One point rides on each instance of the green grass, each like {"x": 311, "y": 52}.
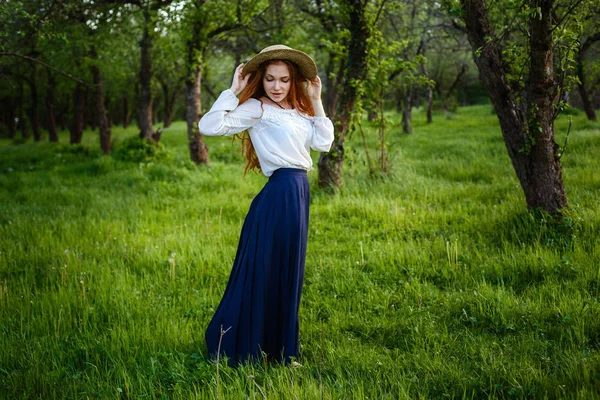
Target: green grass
{"x": 432, "y": 282}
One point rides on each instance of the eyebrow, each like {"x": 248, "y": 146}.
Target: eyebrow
{"x": 272, "y": 76}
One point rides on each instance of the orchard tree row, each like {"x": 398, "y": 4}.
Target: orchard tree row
{"x": 96, "y": 63}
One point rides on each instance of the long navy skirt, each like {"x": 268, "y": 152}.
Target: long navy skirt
{"x": 259, "y": 310}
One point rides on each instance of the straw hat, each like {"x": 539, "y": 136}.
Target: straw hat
{"x": 305, "y": 64}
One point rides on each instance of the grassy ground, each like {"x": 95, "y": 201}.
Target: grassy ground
{"x": 431, "y": 283}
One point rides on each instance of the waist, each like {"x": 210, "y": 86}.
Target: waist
{"x": 287, "y": 172}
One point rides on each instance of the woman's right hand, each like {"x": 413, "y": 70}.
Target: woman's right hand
{"x": 239, "y": 82}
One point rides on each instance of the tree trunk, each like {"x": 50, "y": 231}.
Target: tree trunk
{"x": 145, "y": 114}
{"x": 167, "y": 107}
{"x": 23, "y": 127}
{"x": 52, "y": 131}
{"x": 100, "y": 111}
{"x": 429, "y": 105}
{"x": 10, "y": 107}
{"x": 399, "y": 99}
{"x": 108, "y": 108}
{"x": 196, "y": 145}
{"x": 61, "y": 115}
{"x": 34, "y": 110}
{"x": 22, "y": 124}
{"x": 407, "y": 111}
{"x": 543, "y": 172}
{"x": 429, "y": 97}
{"x": 76, "y": 128}
{"x": 331, "y": 164}
{"x": 169, "y": 104}
{"x": 529, "y": 137}
{"x": 91, "y": 119}
{"x": 588, "y": 105}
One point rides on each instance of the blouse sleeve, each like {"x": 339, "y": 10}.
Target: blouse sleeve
{"x": 226, "y": 117}
{"x": 322, "y": 137}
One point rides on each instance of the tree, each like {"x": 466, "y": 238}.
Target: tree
{"x": 170, "y": 73}
{"x": 21, "y": 32}
{"x": 150, "y": 13}
{"x": 409, "y": 24}
{"x": 334, "y": 38}
{"x": 91, "y": 25}
{"x": 393, "y": 65}
{"x": 354, "y": 73}
{"x": 590, "y": 34}
{"x": 526, "y": 102}
{"x": 204, "y": 21}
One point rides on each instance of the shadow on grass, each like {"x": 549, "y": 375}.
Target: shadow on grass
{"x": 536, "y": 228}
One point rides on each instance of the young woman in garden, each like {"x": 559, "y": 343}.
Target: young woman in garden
{"x": 275, "y": 102}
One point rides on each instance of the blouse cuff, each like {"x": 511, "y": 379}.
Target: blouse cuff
{"x": 323, "y": 134}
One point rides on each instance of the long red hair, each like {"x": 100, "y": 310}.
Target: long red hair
{"x": 255, "y": 90}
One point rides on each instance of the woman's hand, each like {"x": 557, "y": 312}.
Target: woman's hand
{"x": 313, "y": 90}
{"x": 239, "y": 82}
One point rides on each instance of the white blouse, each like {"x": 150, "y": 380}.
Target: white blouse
{"x": 281, "y": 138}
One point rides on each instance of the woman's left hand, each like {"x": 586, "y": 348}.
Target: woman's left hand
{"x": 313, "y": 90}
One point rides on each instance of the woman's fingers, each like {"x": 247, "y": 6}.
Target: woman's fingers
{"x": 238, "y": 83}
{"x": 314, "y": 88}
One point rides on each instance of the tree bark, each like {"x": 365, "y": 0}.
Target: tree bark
{"x": 22, "y": 124}
{"x": 455, "y": 83}
{"x": 528, "y": 129}
{"x": 100, "y": 111}
{"x": 91, "y": 119}
{"x": 61, "y": 117}
{"x": 407, "y": 111}
{"x": 10, "y": 107}
{"x": 330, "y": 164}
{"x": 169, "y": 103}
{"x": 145, "y": 113}
{"x": 50, "y": 95}
{"x": 76, "y": 128}
{"x": 429, "y": 94}
{"x": 588, "y": 104}
{"x": 108, "y": 108}
{"x": 34, "y": 112}
{"x": 543, "y": 172}
{"x": 197, "y": 147}
{"x": 399, "y": 99}
{"x": 429, "y": 105}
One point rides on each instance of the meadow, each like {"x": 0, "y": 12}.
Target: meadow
{"x": 431, "y": 282}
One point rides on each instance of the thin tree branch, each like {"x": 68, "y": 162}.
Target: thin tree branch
{"x": 379, "y": 11}
{"x": 9, "y": 54}
{"x": 569, "y": 11}
{"x": 588, "y": 42}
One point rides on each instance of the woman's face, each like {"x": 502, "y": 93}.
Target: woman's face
{"x": 277, "y": 81}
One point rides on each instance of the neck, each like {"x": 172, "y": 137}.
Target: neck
{"x": 284, "y": 104}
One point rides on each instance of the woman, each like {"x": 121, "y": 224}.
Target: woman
{"x": 281, "y": 114}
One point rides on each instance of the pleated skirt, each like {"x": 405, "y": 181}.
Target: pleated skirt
{"x": 258, "y": 315}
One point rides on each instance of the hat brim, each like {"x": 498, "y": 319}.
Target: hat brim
{"x": 305, "y": 64}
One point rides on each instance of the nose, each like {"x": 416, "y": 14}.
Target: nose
{"x": 277, "y": 85}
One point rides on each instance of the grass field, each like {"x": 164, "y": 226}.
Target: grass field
{"x": 433, "y": 282}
